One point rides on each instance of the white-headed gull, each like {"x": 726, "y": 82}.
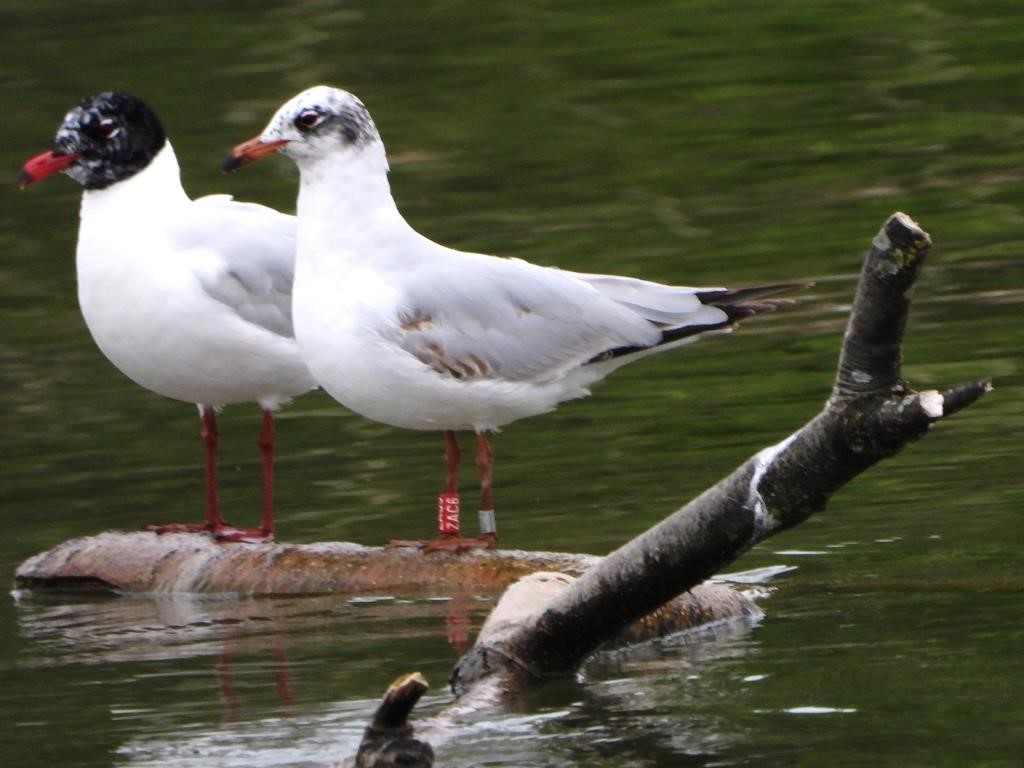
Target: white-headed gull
{"x": 188, "y": 298}
{"x": 410, "y": 333}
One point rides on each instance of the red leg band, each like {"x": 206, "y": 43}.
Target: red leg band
{"x": 448, "y": 514}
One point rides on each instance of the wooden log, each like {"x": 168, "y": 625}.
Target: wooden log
{"x": 141, "y": 561}
{"x": 144, "y": 562}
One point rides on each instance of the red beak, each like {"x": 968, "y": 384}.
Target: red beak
{"x": 250, "y": 150}
{"x": 46, "y": 164}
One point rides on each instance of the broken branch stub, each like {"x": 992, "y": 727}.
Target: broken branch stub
{"x": 389, "y": 738}
{"x": 871, "y": 414}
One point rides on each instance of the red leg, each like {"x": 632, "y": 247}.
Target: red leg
{"x": 283, "y": 671}
{"x": 226, "y": 684}
{"x": 448, "y": 502}
{"x": 265, "y": 532}
{"x": 266, "y": 443}
{"x": 452, "y": 459}
{"x": 485, "y": 464}
{"x": 214, "y": 522}
{"x": 488, "y": 538}
{"x": 457, "y": 623}
{"x": 211, "y": 438}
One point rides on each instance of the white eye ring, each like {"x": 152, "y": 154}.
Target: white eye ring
{"x": 109, "y": 128}
{"x": 308, "y": 119}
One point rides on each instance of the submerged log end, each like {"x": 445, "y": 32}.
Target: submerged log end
{"x": 399, "y": 699}
{"x": 705, "y": 604}
{"x": 496, "y": 651}
{"x": 388, "y": 739}
{"x": 527, "y": 599}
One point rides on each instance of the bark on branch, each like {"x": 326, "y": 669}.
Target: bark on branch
{"x": 871, "y": 414}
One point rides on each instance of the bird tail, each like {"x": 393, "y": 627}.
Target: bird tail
{"x": 741, "y": 303}
{"x": 737, "y": 304}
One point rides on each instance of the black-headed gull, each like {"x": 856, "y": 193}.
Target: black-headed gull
{"x": 410, "y": 333}
{"x": 188, "y": 298}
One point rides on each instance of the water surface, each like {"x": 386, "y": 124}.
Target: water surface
{"x": 685, "y": 142}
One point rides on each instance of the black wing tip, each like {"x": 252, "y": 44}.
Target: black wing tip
{"x": 740, "y": 303}
{"x": 737, "y": 304}
{"x": 668, "y": 335}
{"x": 726, "y": 296}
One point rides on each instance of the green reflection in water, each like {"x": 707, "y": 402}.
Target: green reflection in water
{"x": 687, "y": 142}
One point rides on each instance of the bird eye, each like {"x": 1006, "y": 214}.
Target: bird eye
{"x": 107, "y": 128}
{"x": 308, "y": 119}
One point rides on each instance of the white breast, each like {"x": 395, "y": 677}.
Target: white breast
{"x": 148, "y": 313}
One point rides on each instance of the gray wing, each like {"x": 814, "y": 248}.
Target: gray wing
{"x": 250, "y": 258}
{"x": 668, "y": 305}
{"x": 471, "y": 316}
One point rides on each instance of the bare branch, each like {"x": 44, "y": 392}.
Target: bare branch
{"x": 870, "y": 358}
{"x": 871, "y": 414}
